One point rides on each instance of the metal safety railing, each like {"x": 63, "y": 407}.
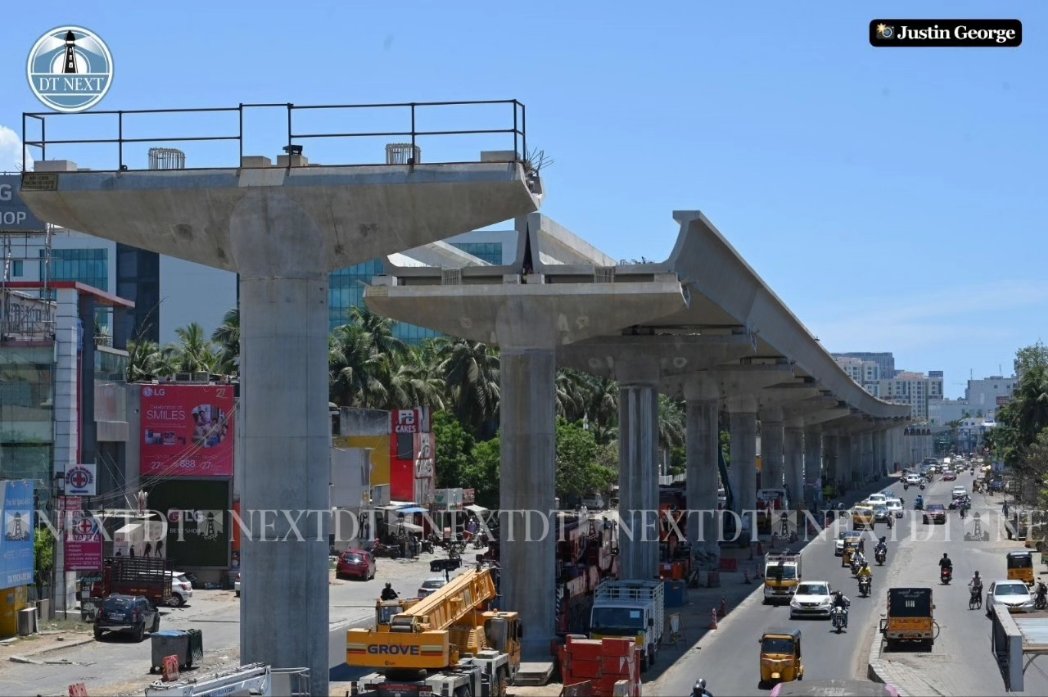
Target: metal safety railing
{"x": 119, "y": 122}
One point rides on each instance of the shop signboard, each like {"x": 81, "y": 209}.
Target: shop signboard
{"x": 198, "y": 520}
{"x": 16, "y": 545}
{"x": 187, "y": 431}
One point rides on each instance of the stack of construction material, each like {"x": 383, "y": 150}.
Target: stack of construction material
{"x": 602, "y": 663}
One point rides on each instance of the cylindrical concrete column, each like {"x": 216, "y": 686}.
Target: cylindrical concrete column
{"x": 845, "y": 470}
{"x": 742, "y": 413}
{"x": 866, "y": 456}
{"x": 812, "y": 465}
{"x": 703, "y": 439}
{"x": 829, "y": 458}
{"x": 638, "y": 480}
{"x": 526, "y": 492}
{"x": 878, "y": 450}
{"x": 286, "y": 443}
{"x": 771, "y": 448}
{"x": 793, "y": 442}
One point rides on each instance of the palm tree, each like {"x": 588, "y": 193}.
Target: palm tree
{"x": 572, "y": 392}
{"x": 412, "y": 381}
{"x": 354, "y": 369}
{"x": 145, "y": 361}
{"x": 471, "y": 370}
{"x": 194, "y": 352}
{"x": 377, "y": 331}
{"x": 227, "y": 337}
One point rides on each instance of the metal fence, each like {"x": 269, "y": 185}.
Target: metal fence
{"x": 114, "y": 129}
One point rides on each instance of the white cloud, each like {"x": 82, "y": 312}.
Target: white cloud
{"x": 11, "y": 151}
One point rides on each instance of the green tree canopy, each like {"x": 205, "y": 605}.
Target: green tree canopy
{"x": 454, "y": 449}
{"x": 579, "y": 471}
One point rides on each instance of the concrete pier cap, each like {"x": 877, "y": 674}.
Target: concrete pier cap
{"x": 283, "y": 230}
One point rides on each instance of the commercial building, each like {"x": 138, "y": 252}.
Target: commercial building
{"x": 986, "y": 395}
{"x": 864, "y": 372}
{"x": 885, "y": 360}
{"x": 915, "y": 389}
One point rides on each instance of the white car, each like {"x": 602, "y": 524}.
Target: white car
{"x": 1013, "y": 594}
{"x": 913, "y": 479}
{"x": 181, "y": 589}
{"x": 430, "y": 585}
{"x": 894, "y": 507}
{"x": 875, "y": 500}
{"x": 959, "y": 491}
{"x": 812, "y": 599}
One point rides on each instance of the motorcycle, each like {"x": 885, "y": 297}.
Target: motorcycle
{"x": 922, "y": 486}
{"x": 864, "y": 586}
{"x": 1041, "y": 602}
{"x": 946, "y": 575}
{"x": 880, "y": 555}
{"x": 838, "y": 617}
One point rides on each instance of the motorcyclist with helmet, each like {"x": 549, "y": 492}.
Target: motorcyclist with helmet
{"x": 945, "y": 566}
{"x": 975, "y": 586}
{"x": 880, "y": 552}
{"x": 699, "y": 690}
{"x": 841, "y": 601}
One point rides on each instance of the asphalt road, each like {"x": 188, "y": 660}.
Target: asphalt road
{"x": 960, "y": 660}
{"x": 118, "y": 660}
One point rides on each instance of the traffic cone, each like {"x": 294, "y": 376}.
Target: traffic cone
{"x": 713, "y": 618}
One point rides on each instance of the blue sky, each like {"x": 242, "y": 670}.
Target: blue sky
{"x": 890, "y": 197}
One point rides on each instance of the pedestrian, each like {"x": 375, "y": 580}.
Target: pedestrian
{"x": 160, "y": 548}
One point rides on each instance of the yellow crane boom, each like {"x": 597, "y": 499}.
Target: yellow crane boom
{"x": 434, "y": 632}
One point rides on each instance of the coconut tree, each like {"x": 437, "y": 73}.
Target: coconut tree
{"x": 146, "y": 361}
{"x": 227, "y": 337}
{"x": 194, "y": 352}
{"x": 412, "y": 381}
{"x": 471, "y": 371}
{"x": 355, "y": 370}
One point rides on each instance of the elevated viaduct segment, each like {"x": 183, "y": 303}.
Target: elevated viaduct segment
{"x": 701, "y": 326}
{"x": 283, "y": 229}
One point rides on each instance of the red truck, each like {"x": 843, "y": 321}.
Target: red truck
{"x": 145, "y": 576}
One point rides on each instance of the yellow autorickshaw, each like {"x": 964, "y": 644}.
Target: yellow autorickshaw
{"x": 781, "y": 656}
{"x": 1020, "y": 567}
{"x": 851, "y": 543}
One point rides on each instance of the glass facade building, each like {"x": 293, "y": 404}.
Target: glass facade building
{"x": 346, "y": 291}
{"x": 26, "y": 411}
{"x": 90, "y": 266}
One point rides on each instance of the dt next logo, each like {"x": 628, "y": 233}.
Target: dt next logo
{"x": 70, "y": 69}
{"x": 1005, "y": 33}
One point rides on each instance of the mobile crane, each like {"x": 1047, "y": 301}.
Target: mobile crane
{"x": 449, "y": 643}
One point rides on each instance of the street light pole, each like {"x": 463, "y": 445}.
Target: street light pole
{"x": 59, "y": 586}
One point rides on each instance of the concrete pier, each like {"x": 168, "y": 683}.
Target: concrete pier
{"x": 702, "y": 400}
{"x": 742, "y": 470}
{"x": 812, "y": 462}
{"x": 526, "y": 492}
{"x": 638, "y": 472}
{"x": 845, "y": 469}
{"x": 283, "y": 229}
{"x": 771, "y": 448}
{"x": 793, "y": 442}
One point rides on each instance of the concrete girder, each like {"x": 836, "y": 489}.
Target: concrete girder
{"x": 282, "y": 230}
{"x": 678, "y": 355}
{"x": 526, "y": 314}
